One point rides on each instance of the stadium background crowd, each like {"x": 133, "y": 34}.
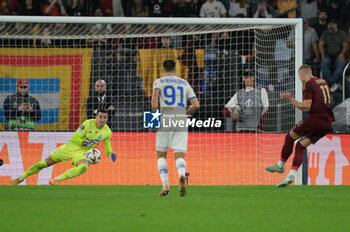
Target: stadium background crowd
{"x": 114, "y": 60}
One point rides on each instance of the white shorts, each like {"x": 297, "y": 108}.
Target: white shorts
{"x": 174, "y": 140}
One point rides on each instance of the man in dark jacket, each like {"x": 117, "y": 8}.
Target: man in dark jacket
{"x": 21, "y": 110}
{"x": 99, "y": 99}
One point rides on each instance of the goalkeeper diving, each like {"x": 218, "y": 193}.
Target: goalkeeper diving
{"x": 88, "y": 136}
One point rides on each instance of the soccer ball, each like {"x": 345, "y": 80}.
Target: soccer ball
{"x": 237, "y": 110}
{"x": 93, "y": 156}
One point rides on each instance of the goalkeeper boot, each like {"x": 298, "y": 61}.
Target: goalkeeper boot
{"x": 15, "y": 181}
{"x": 165, "y": 191}
{"x": 275, "y": 168}
{"x": 54, "y": 182}
{"x": 286, "y": 182}
{"x": 182, "y": 186}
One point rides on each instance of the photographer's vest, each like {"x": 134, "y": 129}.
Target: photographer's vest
{"x": 251, "y": 105}
{"x": 23, "y": 121}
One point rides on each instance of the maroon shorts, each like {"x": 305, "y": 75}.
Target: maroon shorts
{"x": 313, "y": 128}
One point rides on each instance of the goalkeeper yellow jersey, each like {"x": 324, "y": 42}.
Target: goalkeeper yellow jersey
{"x": 90, "y": 133}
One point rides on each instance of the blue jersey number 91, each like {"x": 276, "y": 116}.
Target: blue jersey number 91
{"x": 170, "y": 94}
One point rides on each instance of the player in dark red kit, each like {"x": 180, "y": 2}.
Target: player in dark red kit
{"x": 316, "y": 102}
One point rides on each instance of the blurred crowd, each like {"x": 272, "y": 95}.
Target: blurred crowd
{"x": 337, "y": 9}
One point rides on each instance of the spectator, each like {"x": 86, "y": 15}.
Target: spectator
{"x": 240, "y": 43}
{"x": 312, "y": 55}
{"x": 54, "y": 8}
{"x": 333, "y": 45}
{"x": 196, "y": 6}
{"x": 238, "y": 7}
{"x": 126, "y": 46}
{"x": 213, "y": 9}
{"x": 58, "y": 29}
{"x": 223, "y": 41}
{"x": 45, "y": 42}
{"x": 333, "y": 8}
{"x": 248, "y": 106}
{"x": 139, "y": 9}
{"x": 95, "y": 42}
{"x": 308, "y": 9}
{"x": 5, "y": 8}
{"x": 76, "y": 9}
{"x": 273, "y": 6}
{"x": 181, "y": 9}
{"x": 156, "y": 8}
{"x": 149, "y": 42}
{"x": 112, "y": 7}
{"x": 30, "y": 9}
{"x": 102, "y": 28}
{"x": 12, "y": 7}
{"x": 253, "y": 6}
{"x": 262, "y": 11}
{"x": 321, "y": 25}
{"x": 168, "y": 6}
{"x": 165, "y": 42}
{"x": 21, "y": 110}
{"x": 90, "y": 6}
{"x": 19, "y": 29}
{"x": 98, "y": 100}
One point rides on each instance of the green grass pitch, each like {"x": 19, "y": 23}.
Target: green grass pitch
{"x": 205, "y": 208}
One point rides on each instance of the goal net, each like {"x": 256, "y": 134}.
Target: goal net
{"x": 63, "y": 60}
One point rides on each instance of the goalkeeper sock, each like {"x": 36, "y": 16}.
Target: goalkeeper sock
{"x": 37, "y": 167}
{"x": 281, "y": 164}
{"x": 292, "y": 172}
{"x": 287, "y": 148}
{"x": 57, "y": 178}
{"x": 163, "y": 171}
{"x": 73, "y": 172}
{"x": 181, "y": 166}
{"x": 298, "y": 157}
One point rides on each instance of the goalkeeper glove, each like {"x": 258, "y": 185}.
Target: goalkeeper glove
{"x": 113, "y": 156}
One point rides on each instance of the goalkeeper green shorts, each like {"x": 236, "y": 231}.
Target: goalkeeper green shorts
{"x": 62, "y": 155}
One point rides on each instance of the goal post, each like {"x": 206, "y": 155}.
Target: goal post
{"x": 63, "y": 57}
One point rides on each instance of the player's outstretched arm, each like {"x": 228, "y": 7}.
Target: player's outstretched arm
{"x": 108, "y": 149}
{"x": 112, "y": 156}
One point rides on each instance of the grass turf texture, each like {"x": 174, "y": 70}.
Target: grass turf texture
{"x": 205, "y": 208}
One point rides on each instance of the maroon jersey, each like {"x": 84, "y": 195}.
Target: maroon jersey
{"x": 317, "y": 90}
